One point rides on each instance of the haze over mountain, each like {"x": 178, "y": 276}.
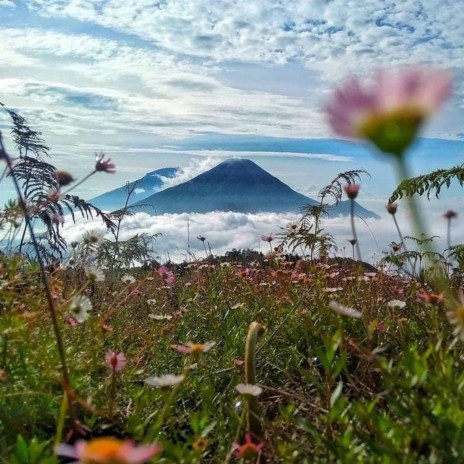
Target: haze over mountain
{"x": 150, "y": 183}
{"x": 238, "y": 185}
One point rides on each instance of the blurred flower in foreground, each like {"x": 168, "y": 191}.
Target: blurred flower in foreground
{"x": 79, "y": 307}
{"x": 248, "y": 450}
{"x": 389, "y": 112}
{"x": 194, "y": 348}
{"x": 166, "y": 380}
{"x": 108, "y": 450}
{"x": 456, "y": 318}
{"x": 248, "y": 389}
{"x": 345, "y": 310}
{"x": 115, "y": 361}
{"x": 94, "y": 274}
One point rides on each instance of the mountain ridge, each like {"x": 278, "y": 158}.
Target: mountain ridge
{"x": 238, "y": 185}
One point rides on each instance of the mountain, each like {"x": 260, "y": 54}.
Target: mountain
{"x": 146, "y": 186}
{"x": 234, "y": 185}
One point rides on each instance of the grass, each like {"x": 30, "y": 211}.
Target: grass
{"x": 383, "y": 388}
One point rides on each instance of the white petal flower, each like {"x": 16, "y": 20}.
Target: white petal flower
{"x": 248, "y": 389}
{"x": 396, "y": 304}
{"x": 94, "y": 274}
{"x": 92, "y": 237}
{"x": 79, "y": 307}
{"x": 160, "y": 317}
{"x": 127, "y": 279}
{"x": 345, "y": 310}
{"x": 166, "y": 380}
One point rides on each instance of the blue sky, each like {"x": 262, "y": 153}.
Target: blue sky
{"x": 189, "y": 82}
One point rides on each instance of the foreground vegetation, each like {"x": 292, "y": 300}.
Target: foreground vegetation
{"x": 385, "y": 387}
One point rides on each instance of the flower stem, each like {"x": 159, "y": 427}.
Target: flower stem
{"x": 353, "y": 229}
{"x": 253, "y": 418}
{"x": 417, "y": 219}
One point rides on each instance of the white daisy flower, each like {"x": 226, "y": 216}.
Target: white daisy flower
{"x": 345, "y": 310}
{"x": 160, "y": 317}
{"x": 92, "y": 237}
{"x": 396, "y": 304}
{"x": 166, "y": 380}
{"x": 248, "y": 389}
{"x": 79, "y": 307}
{"x": 127, "y": 279}
{"x": 94, "y": 274}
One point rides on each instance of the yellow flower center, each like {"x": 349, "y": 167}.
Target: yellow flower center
{"x": 102, "y": 450}
{"x": 197, "y": 348}
{"x": 393, "y": 131}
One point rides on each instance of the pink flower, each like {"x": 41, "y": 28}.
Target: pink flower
{"x": 267, "y": 238}
{"x": 108, "y": 450}
{"x": 115, "y": 361}
{"x": 392, "y": 208}
{"x": 389, "y": 112}
{"x": 248, "y": 450}
{"x": 103, "y": 165}
{"x": 167, "y": 275}
{"x": 450, "y": 214}
{"x": 351, "y": 190}
{"x": 194, "y": 348}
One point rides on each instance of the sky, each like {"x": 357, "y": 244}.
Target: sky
{"x": 158, "y": 83}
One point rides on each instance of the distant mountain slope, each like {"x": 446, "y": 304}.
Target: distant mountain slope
{"x": 146, "y": 186}
{"x": 234, "y": 185}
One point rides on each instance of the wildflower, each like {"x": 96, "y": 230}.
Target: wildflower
{"x": 353, "y": 241}
{"x": 351, "y": 190}
{"x": 456, "y": 318}
{"x": 396, "y": 246}
{"x": 431, "y": 298}
{"x": 115, "y": 361}
{"x": 127, "y": 279}
{"x": 194, "y": 348}
{"x": 267, "y": 238}
{"x": 94, "y": 274}
{"x": 200, "y": 444}
{"x": 79, "y": 307}
{"x": 63, "y": 178}
{"x": 391, "y": 208}
{"x": 71, "y": 321}
{"x": 160, "y": 317}
{"x": 248, "y": 389}
{"x": 151, "y": 302}
{"x": 345, "y": 310}
{"x": 166, "y": 380}
{"x": 450, "y": 214}
{"x": 396, "y": 304}
{"x": 92, "y": 237}
{"x": 167, "y": 275}
{"x": 249, "y": 449}
{"x": 389, "y": 113}
{"x": 108, "y": 450}
{"x": 332, "y": 289}
{"x": 103, "y": 165}
{"x": 201, "y": 238}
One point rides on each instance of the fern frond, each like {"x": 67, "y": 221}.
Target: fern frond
{"x": 431, "y": 183}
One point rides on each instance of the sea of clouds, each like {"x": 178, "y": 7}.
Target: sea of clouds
{"x": 225, "y": 231}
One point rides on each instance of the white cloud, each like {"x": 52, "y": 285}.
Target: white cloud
{"x": 227, "y": 230}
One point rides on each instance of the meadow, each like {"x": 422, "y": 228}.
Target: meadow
{"x": 283, "y": 357}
